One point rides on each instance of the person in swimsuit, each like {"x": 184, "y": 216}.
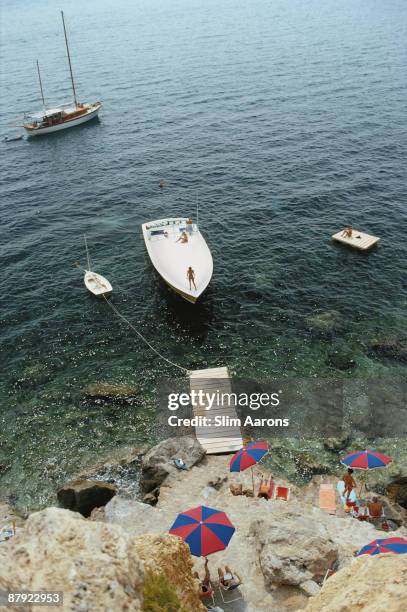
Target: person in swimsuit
{"x": 189, "y": 226}
{"x": 349, "y": 482}
{"x": 228, "y": 579}
{"x": 205, "y": 584}
{"x": 183, "y": 238}
{"x": 347, "y": 232}
{"x": 375, "y": 509}
{"x": 191, "y": 278}
{"x": 265, "y": 487}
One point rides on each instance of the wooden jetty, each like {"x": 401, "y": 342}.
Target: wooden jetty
{"x": 358, "y": 240}
{"x": 216, "y": 438}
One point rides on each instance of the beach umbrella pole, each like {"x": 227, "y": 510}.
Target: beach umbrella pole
{"x": 362, "y": 484}
{"x": 252, "y": 480}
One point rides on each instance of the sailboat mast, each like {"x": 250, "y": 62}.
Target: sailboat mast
{"x": 87, "y": 253}
{"x": 69, "y": 60}
{"x": 42, "y": 91}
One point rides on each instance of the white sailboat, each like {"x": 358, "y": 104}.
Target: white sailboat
{"x": 59, "y": 118}
{"x": 97, "y": 284}
{"x": 180, "y": 255}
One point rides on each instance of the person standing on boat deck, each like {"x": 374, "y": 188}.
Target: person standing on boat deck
{"x": 191, "y": 278}
{"x": 189, "y": 226}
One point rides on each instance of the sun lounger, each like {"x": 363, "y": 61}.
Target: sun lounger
{"x": 234, "y": 593}
{"x": 327, "y": 498}
{"x": 208, "y": 598}
{"x": 282, "y": 493}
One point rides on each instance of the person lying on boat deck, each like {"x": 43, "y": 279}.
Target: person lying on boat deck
{"x": 205, "y": 584}
{"x": 349, "y": 482}
{"x": 347, "y": 232}
{"x": 228, "y": 580}
{"x": 191, "y": 277}
{"x": 183, "y": 238}
{"x": 190, "y": 226}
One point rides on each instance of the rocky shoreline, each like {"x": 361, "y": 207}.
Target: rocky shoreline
{"x": 282, "y": 549}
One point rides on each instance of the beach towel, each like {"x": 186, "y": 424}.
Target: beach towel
{"x": 327, "y": 498}
{"x": 282, "y": 493}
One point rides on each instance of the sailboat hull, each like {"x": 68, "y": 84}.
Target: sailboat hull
{"x": 92, "y": 112}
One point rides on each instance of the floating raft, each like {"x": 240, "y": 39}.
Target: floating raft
{"x": 359, "y": 240}
{"x": 215, "y": 438}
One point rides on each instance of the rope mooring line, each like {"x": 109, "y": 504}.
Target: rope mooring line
{"x": 123, "y": 318}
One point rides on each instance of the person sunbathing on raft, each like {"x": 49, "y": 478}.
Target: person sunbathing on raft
{"x": 347, "y": 232}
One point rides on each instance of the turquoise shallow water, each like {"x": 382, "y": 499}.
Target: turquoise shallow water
{"x": 286, "y": 118}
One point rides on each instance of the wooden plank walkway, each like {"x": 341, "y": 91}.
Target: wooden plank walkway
{"x": 359, "y": 240}
{"x": 216, "y": 438}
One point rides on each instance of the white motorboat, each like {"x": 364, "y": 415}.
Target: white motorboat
{"x": 185, "y": 264}
{"x": 97, "y": 284}
{"x": 64, "y": 116}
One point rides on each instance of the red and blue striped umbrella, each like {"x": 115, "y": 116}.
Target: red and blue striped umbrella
{"x": 366, "y": 460}
{"x": 205, "y": 530}
{"x": 248, "y": 456}
{"x": 397, "y": 546}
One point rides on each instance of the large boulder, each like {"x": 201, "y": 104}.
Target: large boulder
{"x": 94, "y": 565}
{"x": 168, "y": 556}
{"x": 84, "y": 495}
{"x": 340, "y": 356}
{"x": 294, "y": 552}
{"x": 33, "y": 376}
{"x": 368, "y": 583}
{"x": 391, "y": 348}
{"x": 110, "y": 392}
{"x": 397, "y": 490}
{"x": 158, "y": 462}
{"x": 98, "y": 566}
{"x": 133, "y": 516}
{"x": 325, "y": 323}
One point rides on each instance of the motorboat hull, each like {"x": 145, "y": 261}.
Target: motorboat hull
{"x": 171, "y": 257}
{"x": 92, "y": 113}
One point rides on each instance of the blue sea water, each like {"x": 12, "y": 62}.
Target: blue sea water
{"x": 286, "y": 119}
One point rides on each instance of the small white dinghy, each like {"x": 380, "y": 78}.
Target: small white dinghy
{"x": 180, "y": 255}
{"x": 97, "y": 284}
